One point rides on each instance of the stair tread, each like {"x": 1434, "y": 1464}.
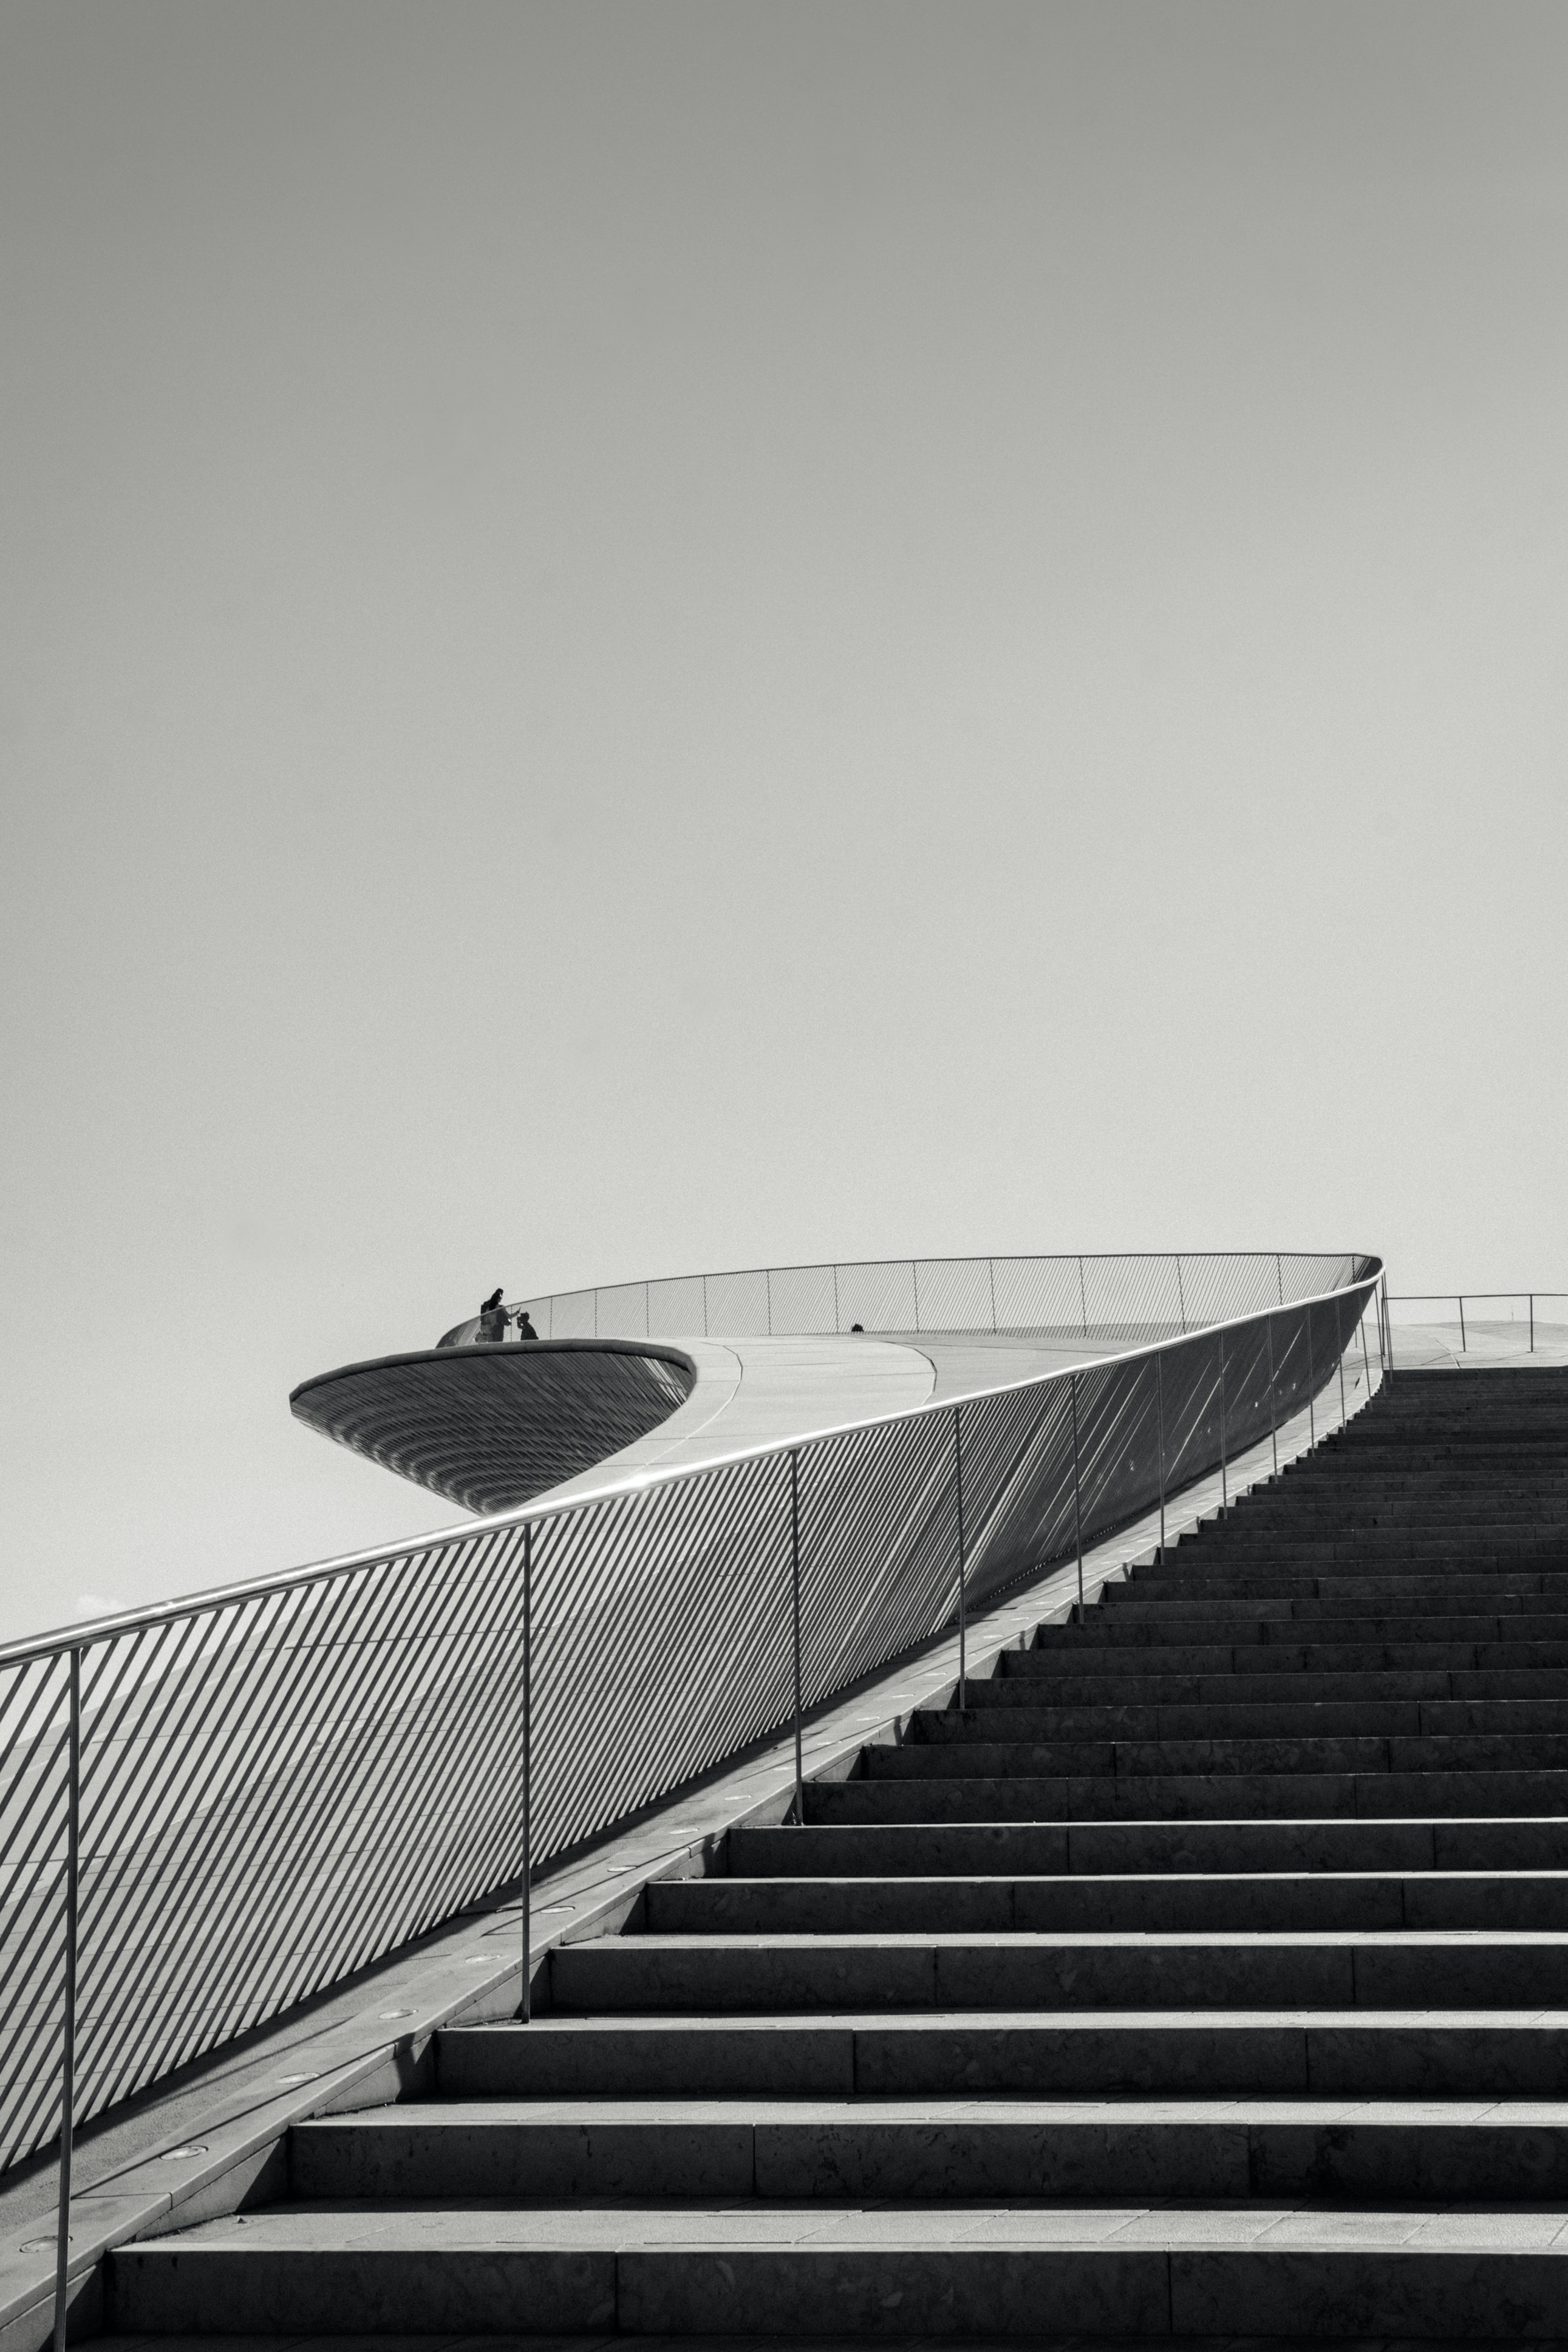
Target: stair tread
{"x": 613, "y": 2224}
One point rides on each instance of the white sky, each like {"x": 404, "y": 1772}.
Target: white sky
{"x": 659, "y": 636}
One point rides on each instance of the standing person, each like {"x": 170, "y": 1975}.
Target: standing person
{"x": 492, "y": 1318}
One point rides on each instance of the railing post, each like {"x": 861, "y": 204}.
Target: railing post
{"x": 1224, "y": 1487}
{"x": 1311, "y": 1416}
{"x": 1340, "y": 1345}
{"x": 1077, "y": 1513}
{"x": 1160, "y": 1423}
{"x": 1388, "y": 1331}
{"x": 1533, "y": 1322}
{"x": 67, "y": 2033}
{"x": 962, "y": 1627}
{"x": 1365, "y": 1352}
{"x": 1464, "y": 1345}
{"x": 794, "y": 1590}
{"x": 527, "y": 2009}
{"x": 1273, "y": 1416}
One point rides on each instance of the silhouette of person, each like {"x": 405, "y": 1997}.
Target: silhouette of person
{"x": 858, "y": 1326}
{"x": 525, "y": 1329}
{"x": 492, "y": 1316}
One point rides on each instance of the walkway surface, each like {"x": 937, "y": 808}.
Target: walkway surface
{"x": 752, "y": 1393}
{"x": 1205, "y": 1974}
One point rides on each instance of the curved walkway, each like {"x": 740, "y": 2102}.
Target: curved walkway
{"x": 760, "y": 1392}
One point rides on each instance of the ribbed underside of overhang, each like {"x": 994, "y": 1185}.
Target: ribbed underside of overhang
{"x": 491, "y": 1427}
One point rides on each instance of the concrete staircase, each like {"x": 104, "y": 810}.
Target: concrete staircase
{"x": 1207, "y": 1976}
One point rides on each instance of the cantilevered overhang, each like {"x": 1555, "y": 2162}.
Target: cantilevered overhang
{"x": 490, "y": 1427}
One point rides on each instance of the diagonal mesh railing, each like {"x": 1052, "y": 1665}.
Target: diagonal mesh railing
{"x": 280, "y": 1782}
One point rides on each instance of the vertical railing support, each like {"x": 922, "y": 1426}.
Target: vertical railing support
{"x": 67, "y": 2022}
{"x": 1223, "y": 1474}
{"x": 1340, "y": 1347}
{"x": 962, "y": 1614}
{"x": 1077, "y": 1511}
{"x": 1533, "y": 1322}
{"x": 1365, "y": 1352}
{"x": 526, "y": 2012}
{"x": 794, "y": 1593}
{"x": 1311, "y": 1416}
{"x": 1463, "y": 1343}
{"x": 1388, "y": 1330}
{"x": 1273, "y": 1415}
{"x": 1160, "y": 1424}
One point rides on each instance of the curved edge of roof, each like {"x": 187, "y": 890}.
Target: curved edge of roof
{"x": 441, "y": 1354}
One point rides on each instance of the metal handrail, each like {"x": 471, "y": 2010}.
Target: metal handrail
{"x": 1049, "y": 1293}
{"x": 217, "y": 1806}
{"x": 1432, "y": 1297}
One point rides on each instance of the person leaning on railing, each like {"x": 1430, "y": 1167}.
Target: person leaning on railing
{"x": 492, "y": 1318}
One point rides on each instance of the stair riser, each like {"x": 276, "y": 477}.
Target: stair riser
{"x": 1462, "y": 1597}
{"x": 1140, "y": 1905}
{"x": 1111, "y": 1630}
{"x": 638, "y": 1978}
{"x": 933, "y": 2057}
{"x": 829, "y": 2290}
{"x": 483, "y": 2160}
{"x": 1443, "y": 1718}
{"x": 995, "y": 1747}
{"x": 1081, "y": 1657}
{"x": 1266, "y": 1689}
{"x": 1029, "y": 1848}
{"x": 1150, "y": 1797}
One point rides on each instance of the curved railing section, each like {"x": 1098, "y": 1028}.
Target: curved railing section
{"x": 1140, "y": 1295}
{"x": 225, "y": 1804}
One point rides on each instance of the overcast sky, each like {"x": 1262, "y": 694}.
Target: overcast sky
{"x": 659, "y": 636}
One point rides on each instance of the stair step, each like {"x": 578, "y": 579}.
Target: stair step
{"x": 1277, "y": 1902}
{"x": 1039, "y": 1688}
{"x": 1048, "y": 1850}
{"x": 978, "y": 2269}
{"x": 1108, "y": 1629}
{"x": 1439, "y": 1718}
{"x": 1337, "y": 1969}
{"x": 948, "y": 1745}
{"x": 1433, "y": 2053}
{"x": 868, "y": 2147}
{"x": 1293, "y": 1656}
{"x": 957, "y": 1797}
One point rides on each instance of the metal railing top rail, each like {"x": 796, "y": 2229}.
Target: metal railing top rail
{"x": 845, "y": 1295}
{"x": 1477, "y": 1298}
{"x": 161, "y": 1613}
